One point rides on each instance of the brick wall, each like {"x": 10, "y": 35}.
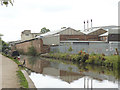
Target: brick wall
{"x": 36, "y": 43}
{"x": 46, "y": 49}
{"x": 79, "y": 37}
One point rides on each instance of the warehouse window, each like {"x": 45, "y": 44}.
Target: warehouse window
{"x": 27, "y": 34}
{"x": 101, "y": 38}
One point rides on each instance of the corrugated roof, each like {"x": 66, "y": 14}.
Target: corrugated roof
{"x": 90, "y": 30}
{"x": 86, "y": 31}
{"x": 56, "y": 32}
{"x": 105, "y": 34}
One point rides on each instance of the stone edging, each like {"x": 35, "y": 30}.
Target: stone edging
{"x": 30, "y": 82}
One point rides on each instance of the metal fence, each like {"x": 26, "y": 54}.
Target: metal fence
{"x": 89, "y": 47}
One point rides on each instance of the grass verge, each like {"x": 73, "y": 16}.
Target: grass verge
{"x": 22, "y": 79}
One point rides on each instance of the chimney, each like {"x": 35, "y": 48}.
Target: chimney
{"x": 87, "y": 25}
{"x": 84, "y": 25}
{"x": 91, "y": 24}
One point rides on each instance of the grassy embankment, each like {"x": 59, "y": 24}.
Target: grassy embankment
{"x": 112, "y": 61}
{"x": 22, "y": 79}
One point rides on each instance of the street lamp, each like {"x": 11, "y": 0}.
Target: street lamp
{"x": 6, "y": 2}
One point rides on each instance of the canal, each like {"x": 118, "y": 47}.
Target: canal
{"x": 48, "y": 73}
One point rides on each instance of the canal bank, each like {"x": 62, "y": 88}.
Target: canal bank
{"x": 83, "y": 58}
{"x": 12, "y": 73}
{"x": 30, "y": 82}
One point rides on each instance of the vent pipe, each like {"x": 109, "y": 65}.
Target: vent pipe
{"x": 84, "y": 25}
{"x": 87, "y": 25}
{"x": 91, "y": 24}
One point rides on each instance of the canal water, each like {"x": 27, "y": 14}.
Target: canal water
{"x": 48, "y": 73}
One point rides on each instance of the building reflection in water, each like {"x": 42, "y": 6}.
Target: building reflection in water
{"x": 47, "y": 68}
{"x": 67, "y": 73}
{"x": 88, "y": 83}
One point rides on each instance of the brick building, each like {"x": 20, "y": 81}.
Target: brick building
{"x": 70, "y": 34}
{"x": 79, "y": 37}
{"x": 53, "y": 37}
{"x": 36, "y": 43}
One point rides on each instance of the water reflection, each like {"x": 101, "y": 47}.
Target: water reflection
{"x": 52, "y": 74}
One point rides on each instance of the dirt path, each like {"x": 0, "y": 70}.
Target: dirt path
{"x": 8, "y": 77}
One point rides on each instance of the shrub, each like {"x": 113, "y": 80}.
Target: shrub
{"x": 84, "y": 56}
{"x": 95, "y": 59}
{"x": 70, "y": 49}
{"x": 75, "y": 58}
{"x": 32, "y": 51}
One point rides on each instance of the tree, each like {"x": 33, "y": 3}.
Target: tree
{"x": 4, "y": 46}
{"x": 44, "y": 30}
{"x": 6, "y": 2}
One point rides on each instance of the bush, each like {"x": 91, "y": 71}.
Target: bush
{"x": 84, "y": 56}
{"x": 70, "y": 49}
{"x": 95, "y": 59}
{"x": 75, "y": 58}
{"x": 32, "y": 51}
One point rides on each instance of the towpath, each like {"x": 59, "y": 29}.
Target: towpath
{"x": 8, "y": 77}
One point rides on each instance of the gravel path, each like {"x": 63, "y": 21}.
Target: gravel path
{"x": 8, "y": 77}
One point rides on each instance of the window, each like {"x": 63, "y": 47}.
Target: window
{"x": 103, "y": 38}
{"x": 27, "y": 34}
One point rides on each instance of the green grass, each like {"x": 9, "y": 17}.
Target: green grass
{"x": 113, "y": 60}
{"x": 22, "y": 79}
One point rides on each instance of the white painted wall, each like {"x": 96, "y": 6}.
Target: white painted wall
{"x": 29, "y": 36}
{"x": 25, "y": 37}
{"x": 52, "y": 39}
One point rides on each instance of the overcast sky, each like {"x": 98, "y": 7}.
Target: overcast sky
{"x": 54, "y": 14}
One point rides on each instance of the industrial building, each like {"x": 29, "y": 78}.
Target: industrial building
{"x": 95, "y": 39}
{"x": 27, "y": 35}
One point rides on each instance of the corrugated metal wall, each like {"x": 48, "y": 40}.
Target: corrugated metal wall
{"x": 89, "y": 47}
